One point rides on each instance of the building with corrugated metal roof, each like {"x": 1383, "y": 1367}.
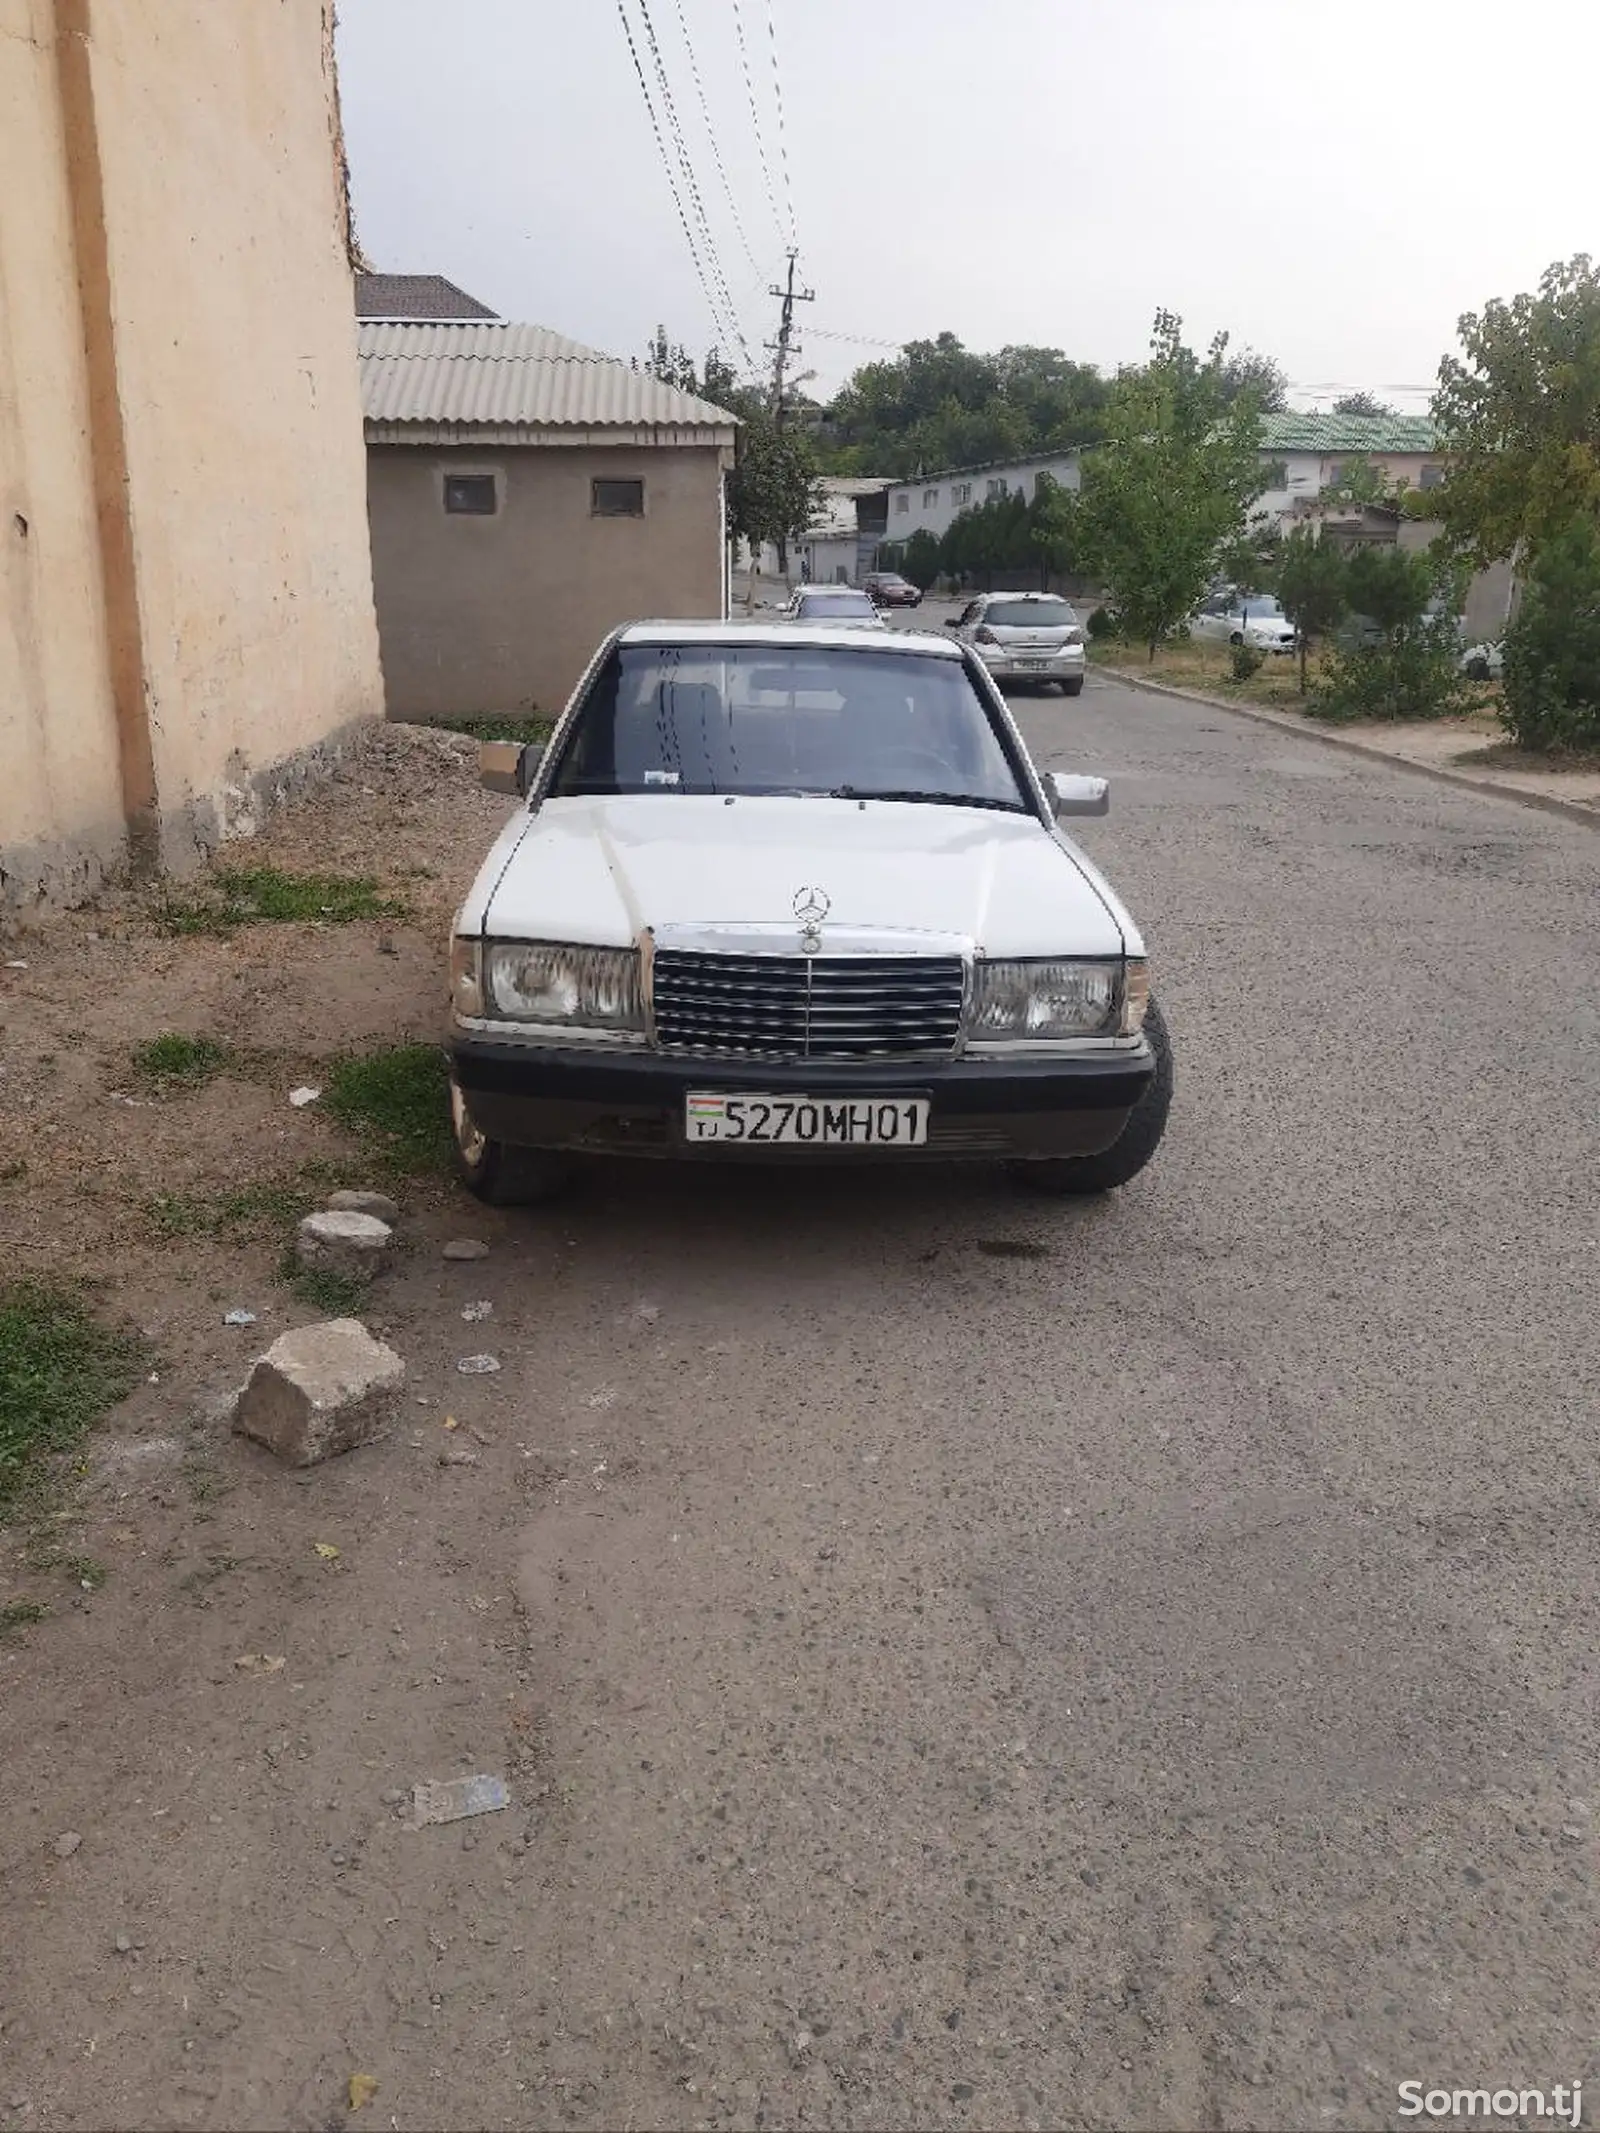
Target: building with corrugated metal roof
{"x": 526, "y": 495}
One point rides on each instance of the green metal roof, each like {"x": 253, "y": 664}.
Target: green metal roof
{"x": 1348, "y": 433}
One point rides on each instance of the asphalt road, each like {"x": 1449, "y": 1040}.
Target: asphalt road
{"x": 1130, "y": 1664}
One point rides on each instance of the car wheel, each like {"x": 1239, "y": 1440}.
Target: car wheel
{"x": 1236, "y": 637}
{"x": 1477, "y": 670}
{"x": 1072, "y": 688}
{"x": 1133, "y": 1146}
{"x": 496, "y": 1172}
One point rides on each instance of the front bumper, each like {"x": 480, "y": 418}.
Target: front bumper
{"x": 633, "y": 1104}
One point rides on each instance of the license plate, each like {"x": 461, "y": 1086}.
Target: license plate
{"x": 806, "y": 1121}
{"x": 1034, "y": 666}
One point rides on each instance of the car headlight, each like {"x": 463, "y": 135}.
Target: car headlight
{"x": 1057, "y": 999}
{"x": 547, "y": 981}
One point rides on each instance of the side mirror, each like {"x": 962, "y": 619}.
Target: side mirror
{"x": 1072, "y": 795}
{"x": 507, "y": 766}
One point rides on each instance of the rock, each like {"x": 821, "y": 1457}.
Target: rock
{"x": 365, "y": 1203}
{"x": 478, "y": 1366}
{"x": 238, "y": 1317}
{"x": 319, "y": 1390}
{"x": 67, "y": 1843}
{"x": 122, "y": 1944}
{"x": 466, "y": 1248}
{"x": 302, "y": 1096}
{"x": 474, "y": 1312}
{"x": 394, "y": 1797}
{"x": 340, "y": 1242}
{"x": 459, "y": 1455}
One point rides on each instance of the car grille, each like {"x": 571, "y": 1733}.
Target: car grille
{"x": 808, "y": 1007}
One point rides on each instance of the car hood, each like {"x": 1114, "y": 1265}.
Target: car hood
{"x": 1270, "y": 626}
{"x": 604, "y": 871}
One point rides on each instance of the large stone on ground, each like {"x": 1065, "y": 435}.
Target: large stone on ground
{"x": 365, "y": 1203}
{"x": 318, "y": 1391}
{"x": 343, "y": 1242}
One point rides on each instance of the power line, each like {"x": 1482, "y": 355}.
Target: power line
{"x": 783, "y": 137}
{"x": 711, "y": 136}
{"x": 666, "y": 164}
{"x": 857, "y": 340}
{"x": 755, "y": 119}
{"x": 707, "y": 240}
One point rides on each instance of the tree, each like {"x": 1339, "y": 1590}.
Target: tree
{"x": 773, "y": 491}
{"x": 1173, "y": 483}
{"x": 1519, "y": 414}
{"x": 1362, "y": 404}
{"x": 672, "y": 363}
{"x": 1412, "y": 670}
{"x": 1250, "y": 375}
{"x": 1552, "y": 658}
{"x": 920, "y": 558}
{"x": 1311, "y": 587}
{"x": 939, "y": 404}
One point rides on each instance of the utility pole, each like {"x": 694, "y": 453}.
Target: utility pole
{"x": 781, "y": 350}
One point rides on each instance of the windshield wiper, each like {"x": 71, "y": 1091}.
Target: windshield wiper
{"x": 932, "y": 799}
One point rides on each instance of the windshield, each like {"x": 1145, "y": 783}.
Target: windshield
{"x": 1259, "y": 606}
{"x": 1031, "y": 615}
{"x": 839, "y": 603}
{"x": 774, "y": 719}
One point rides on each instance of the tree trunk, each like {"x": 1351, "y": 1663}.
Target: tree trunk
{"x": 1302, "y": 662}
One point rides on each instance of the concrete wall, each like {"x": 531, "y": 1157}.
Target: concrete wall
{"x": 177, "y": 357}
{"x": 494, "y": 614}
{"x": 61, "y": 816}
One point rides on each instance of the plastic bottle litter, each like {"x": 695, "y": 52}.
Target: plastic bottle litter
{"x": 457, "y": 1799}
{"x": 478, "y": 1366}
{"x": 302, "y": 1096}
{"x": 473, "y": 1312}
{"x": 238, "y": 1318}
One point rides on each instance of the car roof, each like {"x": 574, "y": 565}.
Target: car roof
{"x": 1061, "y": 597}
{"x": 828, "y": 592}
{"x": 793, "y": 636}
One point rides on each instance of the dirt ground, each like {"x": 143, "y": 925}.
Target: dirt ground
{"x": 199, "y": 1551}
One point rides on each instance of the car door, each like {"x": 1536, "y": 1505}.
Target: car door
{"x": 1210, "y": 619}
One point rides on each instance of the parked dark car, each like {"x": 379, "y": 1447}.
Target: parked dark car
{"x": 889, "y": 589}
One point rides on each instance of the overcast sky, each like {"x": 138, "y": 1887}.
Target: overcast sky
{"x": 1332, "y": 183}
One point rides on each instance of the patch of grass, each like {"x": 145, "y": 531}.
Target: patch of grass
{"x": 246, "y": 896}
{"x": 335, "y": 1295}
{"x": 397, "y": 1101}
{"x": 21, "y": 1614}
{"x": 172, "y": 1059}
{"x": 60, "y": 1371}
{"x": 214, "y": 1214}
{"x": 524, "y": 729}
{"x": 1197, "y": 663}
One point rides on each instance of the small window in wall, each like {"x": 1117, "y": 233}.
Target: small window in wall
{"x": 473, "y": 495}
{"x": 929, "y": 498}
{"x": 1431, "y": 477}
{"x": 961, "y": 492}
{"x": 997, "y": 487}
{"x": 617, "y": 499}
{"x": 902, "y": 502}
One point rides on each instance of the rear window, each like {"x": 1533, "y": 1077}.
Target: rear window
{"x": 1031, "y": 615}
{"x": 839, "y": 603}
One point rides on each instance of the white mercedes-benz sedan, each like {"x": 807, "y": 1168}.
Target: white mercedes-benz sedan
{"x": 796, "y": 893}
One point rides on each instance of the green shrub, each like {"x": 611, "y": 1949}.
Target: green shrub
{"x": 1414, "y": 672}
{"x": 1552, "y": 655}
{"x": 1246, "y": 661}
{"x": 1102, "y": 624}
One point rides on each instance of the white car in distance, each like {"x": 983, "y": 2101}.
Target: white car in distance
{"x": 797, "y": 893}
{"x": 1256, "y": 619}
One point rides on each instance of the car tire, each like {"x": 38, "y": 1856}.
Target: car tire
{"x": 1072, "y": 688}
{"x": 1133, "y": 1146}
{"x": 1477, "y": 670}
{"x": 496, "y": 1172}
{"x": 1236, "y": 637}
